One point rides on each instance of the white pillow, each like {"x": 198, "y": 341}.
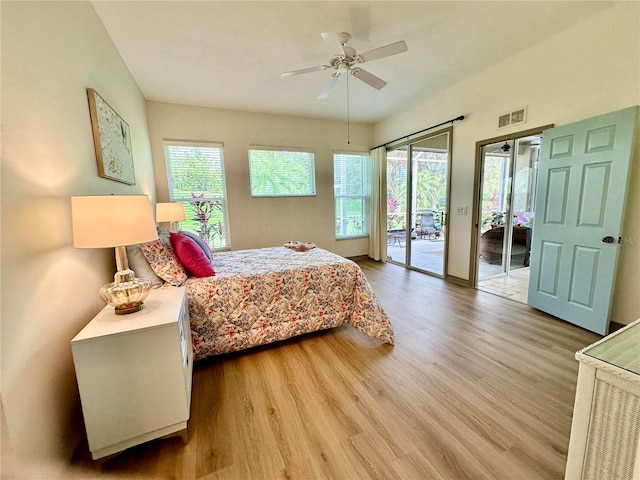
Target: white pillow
{"x": 139, "y": 264}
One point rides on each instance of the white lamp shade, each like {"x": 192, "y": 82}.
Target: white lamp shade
{"x": 170, "y": 212}
{"x": 112, "y": 221}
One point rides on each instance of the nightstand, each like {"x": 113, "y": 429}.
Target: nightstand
{"x": 134, "y": 373}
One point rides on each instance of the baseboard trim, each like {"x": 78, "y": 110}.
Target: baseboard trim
{"x": 458, "y": 281}
{"x": 615, "y": 326}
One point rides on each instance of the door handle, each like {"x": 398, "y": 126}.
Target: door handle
{"x": 608, "y": 239}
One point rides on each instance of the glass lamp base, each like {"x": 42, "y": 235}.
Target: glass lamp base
{"x": 129, "y": 308}
{"x": 127, "y": 293}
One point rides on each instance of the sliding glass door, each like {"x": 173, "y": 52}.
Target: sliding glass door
{"x": 417, "y": 189}
{"x": 506, "y": 205}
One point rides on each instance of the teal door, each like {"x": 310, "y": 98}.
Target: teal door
{"x": 582, "y": 183}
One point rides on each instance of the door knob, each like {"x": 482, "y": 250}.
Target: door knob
{"x": 608, "y": 239}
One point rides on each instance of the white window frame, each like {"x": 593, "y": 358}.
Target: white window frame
{"x": 311, "y": 171}
{"x": 340, "y": 224}
{"x": 225, "y": 239}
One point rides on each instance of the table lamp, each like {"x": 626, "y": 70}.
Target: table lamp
{"x": 170, "y": 212}
{"x": 116, "y": 221}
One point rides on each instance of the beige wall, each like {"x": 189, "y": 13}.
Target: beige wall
{"x": 51, "y": 52}
{"x": 264, "y": 222}
{"x": 589, "y": 69}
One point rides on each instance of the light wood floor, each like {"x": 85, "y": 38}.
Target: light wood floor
{"x": 476, "y": 387}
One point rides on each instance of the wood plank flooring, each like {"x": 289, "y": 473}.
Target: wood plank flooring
{"x": 476, "y": 387}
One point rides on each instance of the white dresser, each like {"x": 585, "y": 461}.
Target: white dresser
{"x": 134, "y": 373}
{"x": 605, "y": 432}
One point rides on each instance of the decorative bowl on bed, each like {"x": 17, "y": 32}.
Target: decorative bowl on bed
{"x": 299, "y": 246}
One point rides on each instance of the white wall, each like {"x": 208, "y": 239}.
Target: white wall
{"x": 51, "y": 52}
{"x": 586, "y": 70}
{"x": 264, "y": 222}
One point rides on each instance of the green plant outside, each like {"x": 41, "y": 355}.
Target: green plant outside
{"x": 281, "y": 173}
{"x": 431, "y": 186}
{"x": 197, "y": 176}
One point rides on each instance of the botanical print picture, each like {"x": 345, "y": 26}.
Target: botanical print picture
{"x": 112, "y": 140}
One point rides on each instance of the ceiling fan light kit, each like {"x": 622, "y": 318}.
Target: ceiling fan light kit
{"x": 346, "y": 58}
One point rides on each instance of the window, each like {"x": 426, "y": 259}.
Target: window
{"x": 352, "y": 191}
{"x": 276, "y": 172}
{"x": 196, "y": 179}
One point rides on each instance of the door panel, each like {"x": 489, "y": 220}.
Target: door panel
{"x": 583, "y": 276}
{"x": 593, "y": 198}
{"x": 583, "y": 176}
{"x": 508, "y": 176}
{"x": 551, "y": 254}
{"x": 429, "y": 179}
{"x": 495, "y": 209}
{"x": 556, "y": 199}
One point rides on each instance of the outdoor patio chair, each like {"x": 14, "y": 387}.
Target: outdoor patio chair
{"x": 396, "y": 237}
{"x": 428, "y": 227}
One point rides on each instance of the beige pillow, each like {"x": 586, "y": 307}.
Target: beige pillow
{"x": 140, "y": 266}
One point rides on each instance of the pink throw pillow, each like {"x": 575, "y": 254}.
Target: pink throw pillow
{"x": 191, "y": 255}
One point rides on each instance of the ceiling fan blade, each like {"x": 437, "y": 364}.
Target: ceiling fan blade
{"x": 334, "y": 43}
{"x": 326, "y": 90}
{"x": 304, "y": 70}
{"x": 386, "y": 51}
{"x": 368, "y": 78}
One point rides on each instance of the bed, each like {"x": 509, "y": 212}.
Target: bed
{"x": 265, "y": 295}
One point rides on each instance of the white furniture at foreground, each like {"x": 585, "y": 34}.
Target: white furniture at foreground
{"x": 605, "y": 433}
{"x": 134, "y": 373}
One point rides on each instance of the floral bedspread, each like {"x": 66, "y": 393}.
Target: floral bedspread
{"x": 265, "y": 295}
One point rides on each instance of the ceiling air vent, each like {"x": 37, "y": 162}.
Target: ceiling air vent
{"x": 514, "y": 117}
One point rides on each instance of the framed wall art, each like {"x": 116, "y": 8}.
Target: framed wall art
{"x": 112, "y": 139}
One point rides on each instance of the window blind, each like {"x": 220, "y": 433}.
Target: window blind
{"x": 195, "y": 168}
{"x": 352, "y": 192}
{"x": 196, "y": 179}
{"x": 276, "y": 172}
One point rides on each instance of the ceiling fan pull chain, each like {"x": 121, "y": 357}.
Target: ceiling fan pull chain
{"x": 348, "y": 119}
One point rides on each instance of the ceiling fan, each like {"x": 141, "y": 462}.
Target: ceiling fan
{"x": 344, "y": 58}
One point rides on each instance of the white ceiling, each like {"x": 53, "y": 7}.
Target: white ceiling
{"x": 229, "y": 54}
